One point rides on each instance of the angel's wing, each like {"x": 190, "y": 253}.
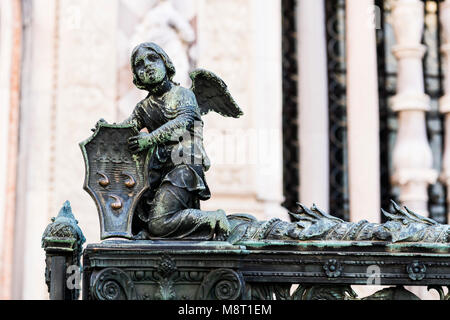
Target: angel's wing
{"x": 212, "y": 94}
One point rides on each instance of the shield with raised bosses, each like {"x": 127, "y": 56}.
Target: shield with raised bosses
{"x": 115, "y": 178}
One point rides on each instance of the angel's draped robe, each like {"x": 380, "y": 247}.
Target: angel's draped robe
{"x": 176, "y": 167}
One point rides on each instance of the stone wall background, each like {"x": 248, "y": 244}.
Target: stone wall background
{"x": 75, "y": 71}
{"x": 65, "y": 64}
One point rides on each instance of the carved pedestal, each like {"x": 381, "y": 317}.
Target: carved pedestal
{"x": 63, "y": 244}
{"x": 162, "y": 270}
{"x": 262, "y": 270}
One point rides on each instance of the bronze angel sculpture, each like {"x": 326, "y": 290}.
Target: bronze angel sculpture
{"x": 177, "y": 161}
{"x": 172, "y": 116}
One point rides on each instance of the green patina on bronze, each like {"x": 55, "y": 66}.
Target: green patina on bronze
{"x": 115, "y": 177}
{"x": 267, "y": 272}
{"x": 62, "y": 241}
{"x": 176, "y": 159}
{"x": 148, "y": 184}
{"x": 175, "y": 162}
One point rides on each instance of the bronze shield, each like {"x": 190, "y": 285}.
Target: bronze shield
{"x": 115, "y": 178}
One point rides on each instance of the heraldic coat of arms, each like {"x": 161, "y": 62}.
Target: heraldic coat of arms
{"x": 115, "y": 177}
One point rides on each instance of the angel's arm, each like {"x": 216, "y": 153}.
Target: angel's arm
{"x": 185, "y": 116}
{"x": 175, "y": 128}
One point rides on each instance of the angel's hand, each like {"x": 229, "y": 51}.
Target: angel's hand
{"x": 139, "y": 143}
{"x": 98, "y": 123}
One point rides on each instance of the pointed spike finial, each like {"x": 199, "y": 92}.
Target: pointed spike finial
{"x": 66, "y": 210}
{"x": 66, "y": 205}
{"x": 388, "y": 215}
{"x": 396, "y": 206}
{"x": 421, "y": 218}
{"x": 294, "y": 215}
{"x": 302, "y": 207}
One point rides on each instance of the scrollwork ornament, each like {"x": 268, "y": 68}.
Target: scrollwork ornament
{"x": 440, "y": 290}
{"x": 221, "y": 284}
{"x": 272, "y": 292}
{"x": 416, "y": 270}
{"x": 326, "y": 292}
{"x": 113, "y": 284}
{"x": 392, "y": 293}
{"x": 226, "y": 289}
{"x": 111, "y": 290}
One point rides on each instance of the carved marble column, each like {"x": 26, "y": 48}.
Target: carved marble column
{"x": 362, "y": 112}
{"x": 445, "y": 100}
{"x": 267, "y": 100}
{"x": 313, "y": 103}
{"x": 412, "y": 158}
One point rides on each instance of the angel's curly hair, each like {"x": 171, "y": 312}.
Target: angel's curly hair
{"x": 165, "y": 58}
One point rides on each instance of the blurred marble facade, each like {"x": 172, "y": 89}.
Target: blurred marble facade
{"x": 72, "y": 58}
{"x": 65, "y": 64}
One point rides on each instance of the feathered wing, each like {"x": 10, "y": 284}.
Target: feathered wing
{"x": 212, "y": 94}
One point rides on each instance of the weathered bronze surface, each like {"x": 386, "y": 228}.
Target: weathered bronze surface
{"x": 174, "y": 168}
{"x": 63, "y": 244}
{"x": 115, "y": 177}
{"x": 260, "y": 270}
{"x": 403, "y": 225}
{"x": 148, "y": 185}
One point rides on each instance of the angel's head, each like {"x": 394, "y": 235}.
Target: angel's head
{"x": 150, "y": 65}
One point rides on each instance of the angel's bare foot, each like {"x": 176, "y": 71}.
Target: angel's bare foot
{"x": 223, "y": 227}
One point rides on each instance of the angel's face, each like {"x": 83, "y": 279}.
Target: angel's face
{"x": 149, "y": 67}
